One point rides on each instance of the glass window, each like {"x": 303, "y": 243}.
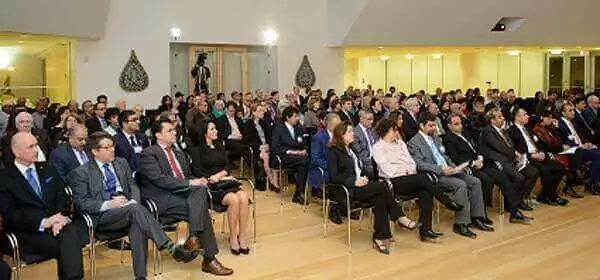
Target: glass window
{"x": 597, "y": 73}
{"x": 555, "y": 73}
{"x": 577, "y": 67}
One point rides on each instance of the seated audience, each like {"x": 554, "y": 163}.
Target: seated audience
{"x": 36, "y": 208}
{"x": 209, "y": 160}
{"x": 395, "y": 163}
{"x": 164, "y": 176}
{"x": 58, "y": 129}
{"x": 429, "y": 156}
{"x": 551, "y": 172}
{"x": 345, "y": 169}
{"x": 257, "y": 135}
{"x": 498, "y": 149}
{"x": 112, "y": 118}
{"x": 23, "y": 122}
{"x": 71, "y": 154}
{"x": 345, "y": 110}
{"x": 97, "y": 122}
{"x": 129, "y": 142}
{"x": 318, "y": 154}
{"x": 230, "y": 131}
{"x": 58, "y": 135}
{"x": 410, "y": 124}
{"x": 364, "y": 138}
{"x": 287, "y": 143}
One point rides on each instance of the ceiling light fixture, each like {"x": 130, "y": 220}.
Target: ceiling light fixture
{"x": 409, "y": 56}
{"x": 384, "y": 57}
{"x": 513, "y": 53}
{"x": 175, "y": 33}
{"x": 5, "y": 60}
{"x": 556, "y": 51}
{"x": 270, "y": 36}
{"x": 437, "y": 55}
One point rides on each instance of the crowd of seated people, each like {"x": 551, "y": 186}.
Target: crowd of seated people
{"x": 450, "y": 146}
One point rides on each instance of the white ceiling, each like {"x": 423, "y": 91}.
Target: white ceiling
{"x": 468, "y": 22}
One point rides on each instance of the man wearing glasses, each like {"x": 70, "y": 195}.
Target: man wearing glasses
{"x": 97, "y": 122}
{"x": 129, "y": 141}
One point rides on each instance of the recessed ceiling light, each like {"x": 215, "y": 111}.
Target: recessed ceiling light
{"x": 556, "y": 51}
{"x": 437, "y": 55}
{"x": 513, "y": 53}
{"x": 380, "y": 47}
{"x": 409, "y": 56}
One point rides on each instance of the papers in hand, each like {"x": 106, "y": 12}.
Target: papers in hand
{"x": 460, "y": 168}
{"x": 570, "y": 151}
{"x": 522, "y": 162}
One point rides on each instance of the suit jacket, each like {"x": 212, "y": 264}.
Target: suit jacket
{"x": 250, "y": 134}
{"x": 93, "y": 124}
{"x": 566, "y": 136}
{"x": 361, "y": 147}
{"x": 22, "y": 208}
{"x": 282, "y": 141}
{"x": 519, "y": 140}
{"x": 549, "y": 139}
{"x": 319, "y": 149}
{"x": 124, "y": 149}
{"x": 341, "y": 168}
{"x": 410, "y": 126}
{"x": 587, "y": 124}
{"x": 347, "y": 117}
{"x": 64, "y": 160}
{"x": 423, "y": 156}
{"x": 458, "y": 149}
{"x": 224, "y": 128}
{"x": 156, "y": 177}
{"x": 494, "y": 148}
{"x": 87, "y": 182}
{"x": 7, "y": 155}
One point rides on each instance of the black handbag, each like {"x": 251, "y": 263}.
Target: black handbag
{"x": 224, "y": 185}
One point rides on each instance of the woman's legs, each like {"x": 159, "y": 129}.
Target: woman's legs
{"x": 270, "y": 173}
{"x": 233, "y": 215}
{"x": 413, "y": 184}
{"x": 243, "y": 217}
{"x": 384, "y": 207}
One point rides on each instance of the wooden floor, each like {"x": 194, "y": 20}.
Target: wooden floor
{"x": 562, "y": 243}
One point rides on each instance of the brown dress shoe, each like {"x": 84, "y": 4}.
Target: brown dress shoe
{"x": 193, "y": 244}
{"x": 215, "y": 267}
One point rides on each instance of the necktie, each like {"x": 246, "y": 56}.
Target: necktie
{"x": 171, "y": 157}
{"x": 132, "y": 141}
{"x": 84, "y": 158}
{"x": 370, "y": 136}
{"x": 574, "y": 133}
{"x": 33, "y": 182}
{"x": 110, "y": 186}
{"x": 103, "y": 123}
{"x": 439, "y": 159}
{"x": 504, "y": 138}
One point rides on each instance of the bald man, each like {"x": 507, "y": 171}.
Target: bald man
{"x": 70, "y": 155}
{"x": 35, "y": 207}
{"x": 23, "y": 122}
{"x": 121, "y": 105}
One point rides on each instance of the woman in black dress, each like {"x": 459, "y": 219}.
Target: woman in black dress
{"x": 209, "y": 160}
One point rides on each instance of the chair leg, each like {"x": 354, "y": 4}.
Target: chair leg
{"x": 325, "y": 216}
{"x": 437, "y": 213}
{"x": 242, "y": 166}
{"x": 306, "y": 196}
{"x": 223, "y": 223}
{"x": 349, "y": 228}
{"x": 122, "y": 250}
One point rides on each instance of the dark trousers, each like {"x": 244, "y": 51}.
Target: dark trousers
{"x": 420, "y": 185}
{"x": 236, "y": 149}
{"x": 5, "y": 271}
{"x": 487, "y": 185}
{"x": 593, "y": 155}
{"x": 194, "y": 210}
{"x": 524, "y": 180}
{"x": 551, "y": 172}
{"x": 299, "y": 165}
{"x": 140, "y": 224}
{"x": 65, "y": 248}
{"x": 384, "y": 207}
{"x": 508, "y": 187}
{"x": 575, "y": 164}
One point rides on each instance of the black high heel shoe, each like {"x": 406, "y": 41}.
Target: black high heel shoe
{"x": 430, "y": 235}
{"x": 244, "y": 251}
{"x": 381, "y": 248}
{"x": 235, "y": 252}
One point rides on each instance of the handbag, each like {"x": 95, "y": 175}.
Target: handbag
{"x": 224, "y": 185}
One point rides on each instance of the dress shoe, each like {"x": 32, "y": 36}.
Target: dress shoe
{"x": 355, "y": 215}
{"x": 478, "y": 224}
{"x": 429, "y": 235}
{"x": 454, "y": 206}
{"x": 180, "y": 254}
{"x": 235, "y": 252}
{"x": 274, "y": 189}
{"x": 486, "y": 220}
{"x": 299, "y": 198}
{"x": 561, "y": 201}
{"x": 463, "y": 229}
{"x": 335, "y": 217}
{"x": 380, "y": 246}
{"x": 572, "y": 193}
{"x": 525, "y": 207}
{"x": 193, "y": 243}
{"x": 519, "y": 218}
{"x": 546, "y": 200}
{"x": 215, "y": 267}
{"x": 116, "y": 245}
{"x": 595, "y": 189}
{"x": 245, "y": 251}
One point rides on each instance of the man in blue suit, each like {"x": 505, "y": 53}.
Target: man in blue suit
{"x": 318, "y": 153}
{"x": 72, "y": 154}
{"x": 364, "y": 139}
{"x": 129, "y": 141}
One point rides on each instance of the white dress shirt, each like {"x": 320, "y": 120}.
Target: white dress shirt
{"x": 531, "y": 149}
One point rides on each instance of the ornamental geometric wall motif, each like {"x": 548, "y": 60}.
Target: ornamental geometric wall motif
{"x": 133, "y": 77}
{"x": 305, "y": 77}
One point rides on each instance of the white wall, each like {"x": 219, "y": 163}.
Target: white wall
{"x": 144, "y": 26}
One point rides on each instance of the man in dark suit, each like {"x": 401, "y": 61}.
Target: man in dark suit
{"x": 586, "y": 129}
{"x": 410, "y": 125}
{"x": 72, "y": 154}
{"x": 429, "y": 156}
{"x": 164, "y": 176}
{"x": 287, "y": 143}
{"x": 551, "y": 172}
{"x": 36, "y": 208}
{"x": 129, "y": 141}
{"x": 24, "y": 123}
{"x": 105, "y": 189}
{"x": 364, "y": 139}
{"x": 345, "y": 111}
{"x": 461, "y": 148}
{"x": 230, "y": 131}
{"x": 498, "y": 150}
{"x": 5, "y": 270}
{"x": 98, "y": 122}
{"x": 319, "y": 145}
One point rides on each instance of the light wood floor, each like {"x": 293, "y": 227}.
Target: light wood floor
{"x": 562, "y": 243}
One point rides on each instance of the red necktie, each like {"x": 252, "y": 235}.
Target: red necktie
{"x": 173, "y": 163}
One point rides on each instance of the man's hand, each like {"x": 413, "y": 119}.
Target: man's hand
{"x": 117, "y": 202}
{"x": 446, "y": 170}
{"x": 361, "y": 182}
{"x": 478, "y": 164}
{"x": 200, "y": 182}
{"x": 539, "y": 156}
{"x": 56, "y": 228}
{"x": 302, "y": 153}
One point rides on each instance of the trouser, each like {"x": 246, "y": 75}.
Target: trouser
{"x": 65, "y": 248}
{"x": 593, "y": 155}
{"x": 551, "y": 172}
{"x": 524, "y": 180}
{"x": 420, "y": 185}
{"x": 297, "y": 164}
{"x": 467, "y": 192}
{"x": 487, "y": 185}
{"x": 508, "y": 187}
{"x": 141, "y": 226}
{"x": 5, "y": 270}
{"x": 194, "y": 209}
{"x": 384, "y": 207}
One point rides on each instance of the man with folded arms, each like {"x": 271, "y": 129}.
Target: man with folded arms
{"x": 164, "y": 175}
{"x": 105, "y": 189}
